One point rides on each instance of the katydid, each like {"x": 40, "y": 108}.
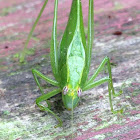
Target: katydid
{"x": 71, "y": 61}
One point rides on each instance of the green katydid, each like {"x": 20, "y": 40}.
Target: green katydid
{"x": 71, "y": 61}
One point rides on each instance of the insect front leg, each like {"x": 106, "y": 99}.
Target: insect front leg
{"x": 43, "y": 108}
{"x": 90, "y": 84}
{"x": 39, "y": 74}
{"x": 44, "y": 96}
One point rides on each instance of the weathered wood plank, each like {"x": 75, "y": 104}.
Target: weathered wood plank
{"x": 116, "y": 35}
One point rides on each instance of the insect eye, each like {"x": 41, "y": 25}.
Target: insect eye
{"x": 79, "y": 92}
{"x": 65, "y": 90}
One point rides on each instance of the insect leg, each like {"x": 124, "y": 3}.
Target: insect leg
{"x": 54, "y": 49}
{"x": 39, "y": 74}
{"x": 90, "y": 31}
{"x": 36, "y": 72}
{"x": 101, "y": 66}
{"x": 44, "y": 97}
{"x": 22, "y": 55}
{"x": 96, "y": 83}
{"x": 90, "y": 84}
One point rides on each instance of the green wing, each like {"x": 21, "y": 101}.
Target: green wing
{"x": 75, "y": 23}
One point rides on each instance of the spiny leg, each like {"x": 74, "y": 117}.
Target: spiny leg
{"x": 44, "y": 97}
{"x": 39, "y": 74}
{"x": 90, "y": 84}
